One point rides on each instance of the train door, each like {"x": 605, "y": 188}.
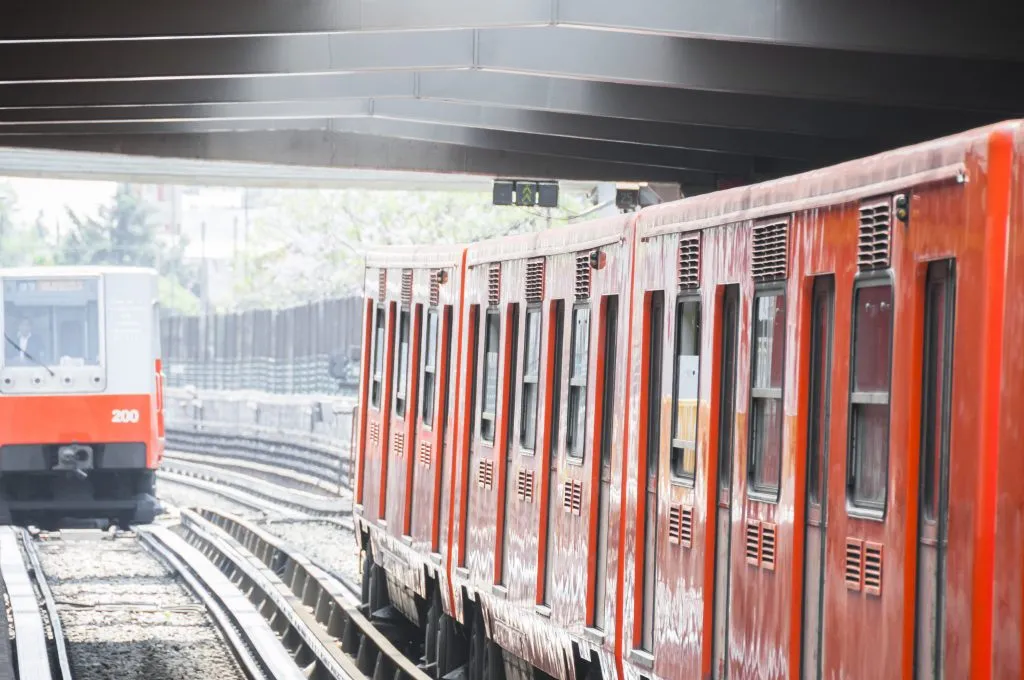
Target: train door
{"x": 375, "y": 461}
{"x": 822, "y": 303}
{"x": 723, "y": 495}
{"x": 651, "y": 447}
{"x": 935, "y": 425}
{"x": 606, "y": 394}
{"x": 555, "y": 384}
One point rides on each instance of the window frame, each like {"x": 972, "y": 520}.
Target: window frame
{"x": 429, "y": 367}
{"x": 401, "y": 398}
{"x": 684, "y": 478}
{"x": 755, "y": 491}
{"x": 530, "y": 378}
{"x": 379, "y": 342}
{"x": 856, "y": 507}
{"x": 576, "y": 420}
{"x": 934, "y": 471}
{"x": 488, "y": 416}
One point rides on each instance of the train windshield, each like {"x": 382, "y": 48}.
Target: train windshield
{"x": 51, "y": 321}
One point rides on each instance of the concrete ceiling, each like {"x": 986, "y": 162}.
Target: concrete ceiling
{"x": 697, "y": 92}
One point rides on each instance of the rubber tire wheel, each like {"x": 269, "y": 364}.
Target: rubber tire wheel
{"x": 444, "y": 653}
{"x": 594, "y": 672}
{"x": 477, "y": 651}
{"x": 431, "y": 632}
{"x": 364, "y": 595}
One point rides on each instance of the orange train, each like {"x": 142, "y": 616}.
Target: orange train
{"x": 769, "y": 432}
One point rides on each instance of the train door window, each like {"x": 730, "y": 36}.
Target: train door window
{"x": 429, "y": 368}
{"x": 474, "y": 343}
{"x": 378, "y": 357}
{"x": 489, "y": 404}
{"x": 611, "y": 325}
{"x": 936, "y": 397}
{"x": 531, "y": 379}
{"x": 555, "y": 381}
{"x": 686, "y": 369}
{"x": 769, "y": 343}
{"x": 655, "y": 311}
{"x": 868, "y": 459}
{"x": 402, "y": 364}
{"x": 576, "y": 422}
{"x": 556, "y": 378}
{"x": 513, "y": 363}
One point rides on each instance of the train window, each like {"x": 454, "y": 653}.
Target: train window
{"x": 52, "y": 322}
{"x": 378, "y": 358}
{"x": 938, "y": 365}
{"x": 489, "y": 404}
{"x": 686, "y": 369}
{"x": 868, "y": 462}
{"x": 429, "y": 368}
{"x": 531, "y": 380}
{"x": 557, "y": 326}
{"x": 820, "y": 378}
{"x": 576, "y": 424}
{"x": 402, "y": 364}
{"x": 769, "y": 346}
{"x": 474, "y": 343}
{"x": 512, "y": 321}
{"x": 611, "y": 329}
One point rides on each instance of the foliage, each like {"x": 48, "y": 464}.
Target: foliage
{"x": 311, "y": 244}
{"x": 21, "y": 245}
{"x": 122, "y": 234}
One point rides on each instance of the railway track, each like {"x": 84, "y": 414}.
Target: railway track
{"x": 39, "y": 649}
{"x": 318, "y": 613}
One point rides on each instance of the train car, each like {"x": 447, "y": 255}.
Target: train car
{"x": 830, "y": 507}
{"x": 407, "y": 432}
{"x": 801, "y": 460}
{"x": 535, "y": 555}
{"x": 81, "y": 395}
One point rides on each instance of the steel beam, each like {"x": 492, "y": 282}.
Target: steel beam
{"x": 868, "y": 125}
{"x": 533, "y": 144}
{"x": 755, "y": 69}
{"x": 653, "y": 139}
{"x": 348, "y": 150}
{"x": 950, "y": 29}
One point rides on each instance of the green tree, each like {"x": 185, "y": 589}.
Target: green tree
{"x": 21, "y": 245}
{"x": 309, "y": 244}
{"x": 122, "y": 234}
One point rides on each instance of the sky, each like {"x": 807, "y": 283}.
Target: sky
{"x": 52, "y": 195}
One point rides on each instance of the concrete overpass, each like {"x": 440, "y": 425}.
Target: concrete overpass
{"x": 697, "y": 92}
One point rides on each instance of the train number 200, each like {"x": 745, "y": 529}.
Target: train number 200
{"x": 124, "y": 415}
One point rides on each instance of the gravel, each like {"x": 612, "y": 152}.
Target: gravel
{"x": 185, "y": 496}
{"x": 329, "y": 546}
{"x": 127, "y": 617}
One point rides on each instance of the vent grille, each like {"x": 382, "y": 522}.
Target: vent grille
{"x": 435, "y": 289}
{"x": 406, "y": 286}
{"x": 398, "y": 444}
{"x": 770, "y": 248}
{"x": 680, "y": 525}
{"x": 872, "y": 568}
{"x": 524, "y": 485}
{"x": 873, "y": 237}
{"x": 582, "y": 276}
{"x": 382, "y": 284}
{"x": 494, "y": 284}
{"x": 374, "y": 433}
{"x": 768, "y": 546}
{"x": 426, "y": 453}
{"x": 535, "y": 280}
{"x": 753, "y": 548}
{"x": 689, "y": 261}
{"x": 485, "y": 474}
{"x": 853, "y": 572}
{"x": 572, "y": 496}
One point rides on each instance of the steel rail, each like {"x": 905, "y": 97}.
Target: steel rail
{"x": 254, "y": 644}
{"x": 56, "y": 628}
{"x": 318, "y": 596}
{"x": 309, "y": 643}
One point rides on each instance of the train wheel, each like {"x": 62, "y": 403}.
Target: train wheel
{"x": 448, "y": 642}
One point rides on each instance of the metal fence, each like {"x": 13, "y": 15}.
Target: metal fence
{"x": 311, "y": 349}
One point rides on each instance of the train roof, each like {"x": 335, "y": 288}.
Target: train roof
{"x": 939, "y": 160}
{"x": 83, "y": 270}
{"x": 566, "y": 239}
{"x": 415, "y": 256}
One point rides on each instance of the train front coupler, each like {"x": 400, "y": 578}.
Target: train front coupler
{"x": 75, "y": 459}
